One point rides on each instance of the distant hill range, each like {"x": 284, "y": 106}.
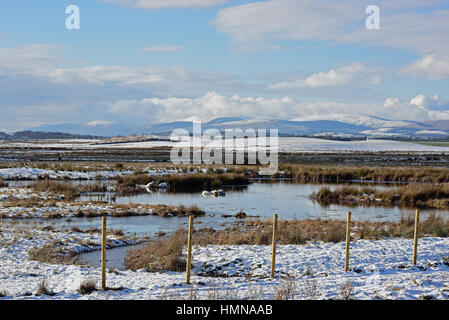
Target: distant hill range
{"x": 34, "y": 135}
{"x": 333, "y": 126}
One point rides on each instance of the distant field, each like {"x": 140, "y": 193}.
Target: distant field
{"x": 435, "y": 144}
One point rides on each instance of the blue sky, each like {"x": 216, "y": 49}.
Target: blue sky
{"x": 148, "y": 61}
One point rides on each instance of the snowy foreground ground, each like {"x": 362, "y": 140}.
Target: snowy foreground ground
{"x": 380, "y": 270}
{"x": 286, "y": 144}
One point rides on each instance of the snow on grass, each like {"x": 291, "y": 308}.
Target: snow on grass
{"x": 71, "y": 210}
{"x": 10, "y": 194}
{"x": 379, "y": 270}
{"x": 286, "y": 144}
{"x": 34, "y": 174}
{"x": 297, "y": 144}
{"x": 26, "y": 173}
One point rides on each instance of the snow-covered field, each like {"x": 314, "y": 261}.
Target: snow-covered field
{"x": 34, "y": 174}
{"x": 57, "y": 207}
{"x": 26, "y": 173}
{"x": 286, "y": 144}
{"x": 379, "y": 270}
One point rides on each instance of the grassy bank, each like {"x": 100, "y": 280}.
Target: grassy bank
{"x": 69, "y": 190}
{"x": 342, "y": 173}
{"x": 166, "y": 254}
{"x": 412, "y": 195}
{"x": 297, "y": 172}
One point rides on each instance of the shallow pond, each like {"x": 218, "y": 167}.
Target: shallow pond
{"x": 289, "y": 200}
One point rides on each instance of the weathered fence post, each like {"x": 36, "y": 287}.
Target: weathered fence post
{"x": 273, "y": 249}
{"x": 415, "y": 245}
{"x": 348, "y": 240}
{"x": 189, "y": 249}
{"x": 103, "y": 254}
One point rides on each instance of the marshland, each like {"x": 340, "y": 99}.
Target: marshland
{"x": 147, "y": 205}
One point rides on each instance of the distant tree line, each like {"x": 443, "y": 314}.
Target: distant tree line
{"x": 33, "y": 135}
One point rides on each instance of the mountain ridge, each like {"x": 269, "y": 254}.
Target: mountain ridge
{"x": 335, "y": 125}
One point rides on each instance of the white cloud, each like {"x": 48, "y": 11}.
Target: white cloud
{"x": 161, "y": 49}
{"x": 283, "y": 19}
{"x": 350, "y": 74}
{"x": 160, "y": 4}
{"x": 430, "y": 66}
{"x": 35, "y": 89}
{"x": 102, "y": 75}
{"x": 213, "y": 105}
{"x": 265, "y": 24}
{"x": 96, "y": 123}
{"x": 434, "y": 103}
{"x": 42, "y": 64}
{"x": 31, "y": 59}
{"x": 337, "y": 22}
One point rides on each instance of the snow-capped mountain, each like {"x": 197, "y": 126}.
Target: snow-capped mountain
{"x": 329, "y": 125}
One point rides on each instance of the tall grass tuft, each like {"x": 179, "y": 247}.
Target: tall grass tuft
{"x": 421, "y": 195}
{"x": 67, "y": 189}
{"x": 159, "y": 255}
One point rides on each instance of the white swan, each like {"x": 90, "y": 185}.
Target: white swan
{"x": 205, "y": 194}
{"x": 149, "y": 185}
{"x": 218, "y": 193}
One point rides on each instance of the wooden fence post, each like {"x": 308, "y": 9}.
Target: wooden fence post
{"x": 103, "y": 254}
{"x": 415, "y": 245}
{"x": 348, "y": 240}
{"x": 189, "y": 249}
{"x": 273, "y": 249}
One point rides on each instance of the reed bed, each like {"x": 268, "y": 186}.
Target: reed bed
{"x": 304, "y": 173}
{"x": 412, "y": 195}
{"x": 67, "y": 189}
{"x": 180, "y": 183}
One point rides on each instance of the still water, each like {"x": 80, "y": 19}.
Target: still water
{"x": 289, "y": 200}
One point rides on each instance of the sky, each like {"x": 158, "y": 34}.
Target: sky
{"x": 147, "y": 61}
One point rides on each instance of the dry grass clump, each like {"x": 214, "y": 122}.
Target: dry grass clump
{"x": 433, "y": 225}
{"x": 87, "y": 287}
{"x": 159, "y": 255}
{"x": 3, "y": 293}
{"x": 420, "y": 195}
{"x": 112, "y": 232}
{"x": 42, "y": 289}
{"x": 3, "y": 183}
{"x": 50, "y": 253}
{"x": 166, "y": 253}
{"x": 259, "y": 232}
{"x": 308, "y": 173}
{"x": 286, "y": 289}
{"x": 346, "y": 290}
{"x": 67, "y": 189}
{"x": 32, "y": 202}
{"x": 163, "y": 210}
{"x": 190, "y": 210}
